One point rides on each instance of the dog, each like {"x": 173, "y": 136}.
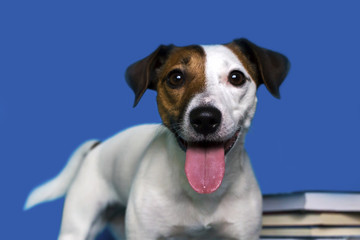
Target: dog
{"x": 187, "y": 178}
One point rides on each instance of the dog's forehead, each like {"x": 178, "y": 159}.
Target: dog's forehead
{"x": 214, "y": 59}
{"x": 220, "y": 54}
{"x": 220, "y": 60}
{"x": 185, "y": 56}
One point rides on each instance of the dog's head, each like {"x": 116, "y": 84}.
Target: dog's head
{"x": 207, "y": 98}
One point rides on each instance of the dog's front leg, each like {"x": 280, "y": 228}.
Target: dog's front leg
{"x": 85, "y": 203}
{"x": 138, "y": 227}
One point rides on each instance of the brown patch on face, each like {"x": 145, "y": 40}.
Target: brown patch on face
{"x": 172, "y": 102}
{"x": 250, "y": 67}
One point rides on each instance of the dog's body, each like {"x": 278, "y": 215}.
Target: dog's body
{"x": 189, "y": 178}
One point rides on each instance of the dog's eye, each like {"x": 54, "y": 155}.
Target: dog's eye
{"x": 237, "y": 78}
{"x": 175, "y": 79}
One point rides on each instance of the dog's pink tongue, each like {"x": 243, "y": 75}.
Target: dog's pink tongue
{"x": 205, "y": 167}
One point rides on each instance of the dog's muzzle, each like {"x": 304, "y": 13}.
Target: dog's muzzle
{"x": 205, "y": 160}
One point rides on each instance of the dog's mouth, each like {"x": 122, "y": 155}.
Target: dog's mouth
{"x": 205, "y": 162}
{"x": 227, "y": 144}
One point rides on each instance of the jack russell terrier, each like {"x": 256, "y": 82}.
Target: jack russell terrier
{"x": 187, "y": 178}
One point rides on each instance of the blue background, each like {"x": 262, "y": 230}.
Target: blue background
{"x": 62, "y": 67}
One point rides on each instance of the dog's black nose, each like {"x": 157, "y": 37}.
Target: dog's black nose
{"x": 205, "y": 120}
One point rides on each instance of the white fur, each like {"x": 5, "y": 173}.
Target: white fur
{"x": 142, "y": 169}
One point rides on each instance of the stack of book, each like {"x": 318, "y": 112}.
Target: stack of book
{"x": 311, "y": 215}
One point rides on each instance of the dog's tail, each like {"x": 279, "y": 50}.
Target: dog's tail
{"x": 58, "y": 186}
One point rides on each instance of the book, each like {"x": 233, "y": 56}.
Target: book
{"x": 312, "y": 201}
{"x": 311, "y": 232}
{"x": 312, "y": 238}
{"x": 311, "y": 219}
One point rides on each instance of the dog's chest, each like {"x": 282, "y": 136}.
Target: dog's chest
{"x": 200, "y": 232}
{"x": 197, "y": 219}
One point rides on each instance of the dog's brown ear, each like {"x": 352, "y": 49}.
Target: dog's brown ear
{"x": 271, "y": 67}
{"x": 141, "y": 75}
